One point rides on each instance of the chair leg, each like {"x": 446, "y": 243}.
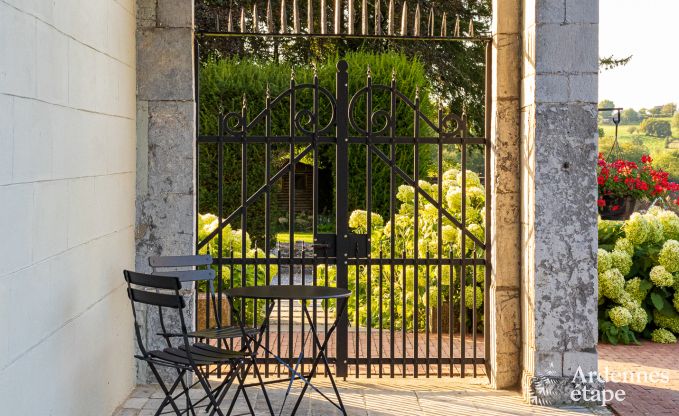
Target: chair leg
{"x": 168, "y": 393}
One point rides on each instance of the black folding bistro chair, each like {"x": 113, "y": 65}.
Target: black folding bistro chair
{"x": 186, "y": 356}
{"x": 160, "y": 264}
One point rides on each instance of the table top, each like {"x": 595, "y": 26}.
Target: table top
{"x": 289, "y": 292}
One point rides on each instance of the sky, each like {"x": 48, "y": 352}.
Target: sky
{"x": 648, "y": 30}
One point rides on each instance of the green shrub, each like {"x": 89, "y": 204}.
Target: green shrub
{"x": 656, "y": 128}
{"x": 668, "y": 160}
{"x": 638, "y": 279}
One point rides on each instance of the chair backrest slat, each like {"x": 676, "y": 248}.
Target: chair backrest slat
{"x": 189, "y": 275}
{"x": 157, "y": 299}
{"x": 180, "y": 261}
{"x": 149, "y": 280}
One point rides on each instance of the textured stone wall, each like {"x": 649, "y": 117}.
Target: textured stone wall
{"x": 67, "y": 169}
{"x": 558, "y": 174}
{"x": 166, "y": 142}
{"x": 504, "y": 296}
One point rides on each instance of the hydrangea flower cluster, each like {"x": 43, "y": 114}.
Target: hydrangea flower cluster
{"x": 663, "y": 336}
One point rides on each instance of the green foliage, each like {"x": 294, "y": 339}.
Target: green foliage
{"x": 629, "y": 116}
{"x": 410, "y": 282}
{"x": 656, "y": 128}
{"x": 628, "y": 297}
{"x": 625, "y": 150}
{"x": 605, "y": 116}
{"x": 669, "y": 162}
{"x": 602, "y": 132}
{"x": 675, "y": 121}
{"x": 224, "y": 83}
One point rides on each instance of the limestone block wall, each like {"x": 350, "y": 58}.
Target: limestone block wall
{"x": 559, "y": 214}
{"x": 67, "y": 174}
{"x": 165, "y": 207}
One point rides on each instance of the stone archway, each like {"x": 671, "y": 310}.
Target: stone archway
{"x": 543, "y": 296}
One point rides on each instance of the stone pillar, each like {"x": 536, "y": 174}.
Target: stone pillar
{"x": 504, "y": 306}
{"x": 559, "y": 191}
{"x": 165, "y": 141}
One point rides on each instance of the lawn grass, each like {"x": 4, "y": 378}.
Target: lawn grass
{"x": 284, "y": 237}
{"x": 655, "y": 145}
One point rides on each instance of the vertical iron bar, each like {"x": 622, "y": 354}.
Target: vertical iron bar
{"x": 338, "y": 17}
{"x": 291, "y": 211}
{"x": 379, "y": 316}
{"x": 302, "y": 315}
{"x": 357, "y": 300}
{"x": 244, "y": 212}
{"x": 474, "y": 312}
{"x": 392, "y": 202}
{"x": 439, "y": 240}
{"x": 368, "y": 195}
{"x": 350, "y": 15}
{"x": 426, "y": 316}
{"x": 220, "y": 215}
{"x": 314, "y": 193}
{"x": 278, "y": 307}
{"x": 325, "y": 313}
{"x": 416, "y": 229}
{"x": 451, "y": 283}
{"x": 342, "y": 167}
{"x": 404, "y": 313}
{"x": 267, "y": 209}
{"x": 310, "y": 16}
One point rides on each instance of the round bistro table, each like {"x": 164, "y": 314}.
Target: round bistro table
{"x": 303, "y": 294}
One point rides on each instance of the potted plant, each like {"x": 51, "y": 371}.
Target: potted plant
{"x": 623, "y": 182}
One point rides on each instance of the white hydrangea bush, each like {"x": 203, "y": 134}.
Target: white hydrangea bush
{"x": 410, "y": 283}
{"x": 638, "y": 266}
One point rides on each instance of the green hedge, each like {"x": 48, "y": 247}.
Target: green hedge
{"x": 224, "y": 83}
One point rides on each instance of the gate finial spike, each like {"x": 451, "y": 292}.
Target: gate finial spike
{"x": 416, "y": 25}
{"x": 417, "y": 92}
{"x": 390, "y": 18}
{"x": 255, "y": 20}
{"x": 245, "y": 101}
{"x": 393, "y": 74}
{"x": 368, "y": 72}
{"x": 293, "y": 74}
{"x": 378, "y": 18}
{"x": 350, "y": 13}
{"x": 295, "y": 17}
{"x": 431, "y": 22}
{"x": 444, "y": 25}
{"x": 310, "y": 16}
{"x": 268, "y": 90}
{"x": 404, "y": 19}
{"x": 456, "y": 31}
{"x": 284, "y": 18}
{"x": 471, "y": 28}
{"x": 269, "y": 17}
{"x": 364, "y": 17}
{"x": 324, "y": 23}
{"x": 242, "y": 21}
{"x": 338, "y": 17}
{"x": 229, "y": 22}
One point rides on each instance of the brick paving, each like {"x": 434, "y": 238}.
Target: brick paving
{"x": 652, "y": 377}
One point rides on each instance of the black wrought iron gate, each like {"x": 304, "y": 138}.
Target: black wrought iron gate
{"x": 410, "y": 267}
